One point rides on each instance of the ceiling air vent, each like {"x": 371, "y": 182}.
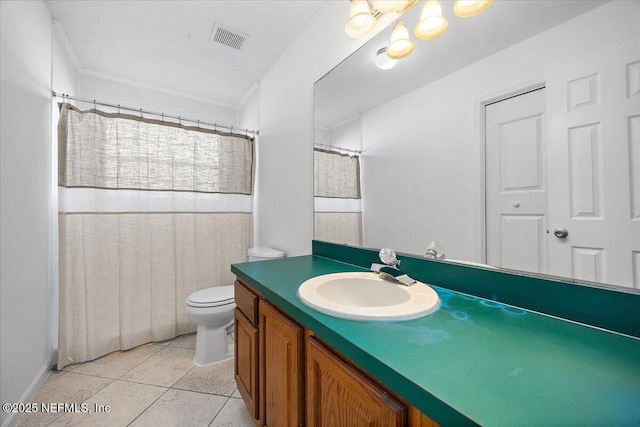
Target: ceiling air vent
{"x": 228, "y": 36}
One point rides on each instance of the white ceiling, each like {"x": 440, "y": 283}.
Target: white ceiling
{"x": 165, "y": 44}
{"x": 356, "y": 85}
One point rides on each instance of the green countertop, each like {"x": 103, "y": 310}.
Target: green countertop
{"x": 474, "y": 361}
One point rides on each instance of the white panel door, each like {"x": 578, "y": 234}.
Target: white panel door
{"x": 516, "y": 189}
{"x": 594, "y": 169}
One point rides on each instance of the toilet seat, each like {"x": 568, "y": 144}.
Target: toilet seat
{"x": 216, "y": 296}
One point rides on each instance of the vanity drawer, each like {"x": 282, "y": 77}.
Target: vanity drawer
{"x": 247, "y": 301}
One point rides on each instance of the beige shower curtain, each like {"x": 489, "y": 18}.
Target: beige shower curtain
{"x": 338, "y": 212}
{"x": 149, "y": 212}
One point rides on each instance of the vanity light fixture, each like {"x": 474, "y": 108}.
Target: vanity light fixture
{"x": 361, "y": 20}
{"x": 383, "y": 61}
{"x": 400, "y": 45}
{"x": 468, "y": 8}
{"x": 432, "y": 23}
{"x": 363, "y": 14}
{"x": 390, "y": 6}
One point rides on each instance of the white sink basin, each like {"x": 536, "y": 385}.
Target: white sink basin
{"x": 365, "y": 296}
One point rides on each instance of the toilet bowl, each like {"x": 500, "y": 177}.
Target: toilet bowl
{"x": 211, "y": 309}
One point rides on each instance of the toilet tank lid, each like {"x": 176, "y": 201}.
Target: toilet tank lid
{"x": 262, "y": 252}
{"x": 214, "y": 294}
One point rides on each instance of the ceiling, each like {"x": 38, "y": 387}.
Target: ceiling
{"x": 166, "y": 44}
{"x": 356, "y": 85}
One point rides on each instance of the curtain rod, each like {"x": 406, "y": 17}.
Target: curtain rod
{"x": 334, "y": 147}
{"x": 141, "y": 111}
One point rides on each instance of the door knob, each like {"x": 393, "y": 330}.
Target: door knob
{"x": 560, "y": 233}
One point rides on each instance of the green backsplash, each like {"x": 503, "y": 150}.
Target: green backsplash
{"x": 609, "y": 309}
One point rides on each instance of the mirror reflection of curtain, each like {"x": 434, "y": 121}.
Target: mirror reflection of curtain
{"x": 338, "y": 208}
{"x": 149, "y": 213}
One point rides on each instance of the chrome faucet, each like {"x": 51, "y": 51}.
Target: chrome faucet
{"x": 434, "y": 251}
{"x": 390, "y": 270}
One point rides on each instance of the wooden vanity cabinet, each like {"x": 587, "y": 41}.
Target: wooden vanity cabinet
{"x": 269, "y": 358}
{"x": 246, "y": 347}
{"x": 418, "y": 419}
{"x": 288, "y": 377}
{"x": 281, "y": 369}
{"x": 246, "y": 362}
{"x": 339, "y": 395}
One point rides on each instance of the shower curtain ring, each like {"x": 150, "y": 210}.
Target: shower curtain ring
{"x": 118, "y": 108}
{"x": 163, "y": 117}
{"x": 179, "y": 120}
{"x": 141, "y": 113}
{"x": 198, "y": 124}
{"x": 94, "y": 105}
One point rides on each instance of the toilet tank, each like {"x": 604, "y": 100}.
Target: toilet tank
{"x": 261, "y": 254}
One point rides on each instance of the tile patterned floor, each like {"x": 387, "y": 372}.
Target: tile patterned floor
{"x": 148, "y": 386}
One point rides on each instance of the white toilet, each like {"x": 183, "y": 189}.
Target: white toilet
{"x": 212, "y": 310}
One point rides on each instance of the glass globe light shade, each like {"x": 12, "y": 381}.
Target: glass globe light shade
{"x": 361, "y": 21}
{"x": 389, "y": 6}
{"x": 468, "y": 8}
{"x": 400, "y": 46}
{"x": 432, "y": 23}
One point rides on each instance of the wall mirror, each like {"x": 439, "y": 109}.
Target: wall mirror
{"x": 512, "y": 140}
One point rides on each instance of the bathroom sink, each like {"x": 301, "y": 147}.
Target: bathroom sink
{"x": 366, "y": 296}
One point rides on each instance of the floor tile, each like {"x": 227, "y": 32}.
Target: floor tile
{"x": 118, "y": 363}
{"x": 215, "y": 379}
{"x": 233, "y": 414}
{"x": 237, "y": 394}
{"x": 165, "y": 342}
{"x": 54, "y": 375}
{"x": 184, "y": 341}
{"x": 70, "y": 368}
{"x": 141, "y": 394}
{"x": 125, "y": 400}
{"x": 67, "y": 388}
{"x": 163, "y": 368}
{"x": 181, "y": 408}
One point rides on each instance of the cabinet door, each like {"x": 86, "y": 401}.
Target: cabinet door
{"x": 418, "y": 419}
{"x": 281, "y": 369}
{"x": 338, "y": 395}
{"x": 246, "y": 301}
{"x": 246, "y": 361}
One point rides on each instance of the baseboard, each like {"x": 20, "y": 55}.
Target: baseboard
{"x": 28, "y": 394}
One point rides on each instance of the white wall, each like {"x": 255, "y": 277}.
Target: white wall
{"x": 285, "y": 181}
{"x": 105, "y": 89}
{"x": 25, "y": 215}
{"x": 347, "y": 135}
{"x": 248, "y": 111}
{"x": 419, "y": 162}
{"x": 321, "y": 136}
{"x": 64, "y": 74}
